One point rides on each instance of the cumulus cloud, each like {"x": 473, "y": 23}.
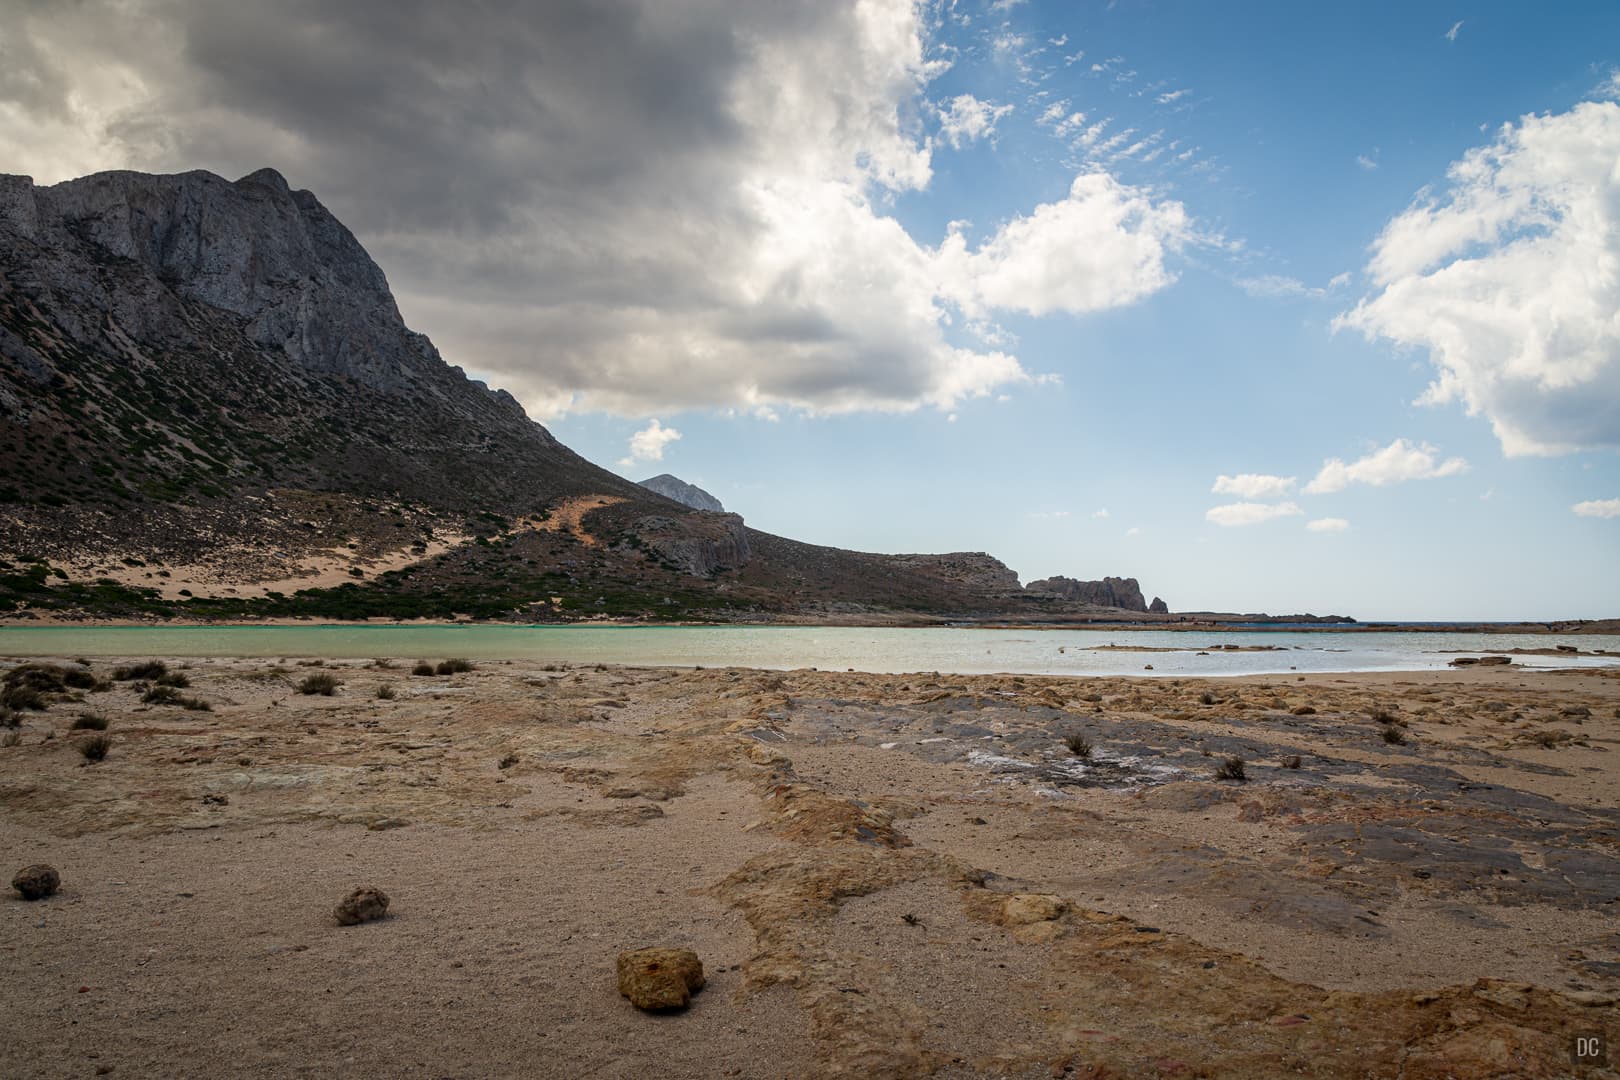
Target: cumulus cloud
{"x": 1394, "y": 464}
{"x": 1104, "y": 245}
{"x": 635, "y": 207}
{"x": 1327, "y": 525}
{"x": 1254, "y": 486}
{"x": 1102, "y": 514}
{"x": 1598, "y": 508}
{"x": 648, "y": 444}
{"x": 1511, "y": 280}
{"x": 969, "y": 119}
{"x": 1249, "y": 513}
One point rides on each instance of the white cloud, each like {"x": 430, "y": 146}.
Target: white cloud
{"x": 1133, "y": 531}
{"x": 648, "y": 444}
{"x": 1254, "y": 486}
{"x": 1102, "y": 514}
{"x": 1396, "y": 463}
{"x": 1368, "y": 163}
{"x": 1049, "y": 515}
{"x": 1102, "y": 246}
{"x": 1270, "y": 286}
{"x": 1598, "y": 508}
{"x": 1249, "y": 513}
{"x": 1327, "y": 525}
{"x": 1511, "y": 283}
{"x": 1172, "y": 97}
{"x": 969, "y": 119}
{"x": 1451, "y": 35}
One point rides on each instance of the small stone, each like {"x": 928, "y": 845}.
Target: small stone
{"x": 656, "y": 979}
{"x": 361, "y": 905}
{"x": 37, "y": 882}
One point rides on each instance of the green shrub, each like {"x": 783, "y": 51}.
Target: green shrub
{"x": 161, "y": 695}
{"x": 1232, "y": 769}
{"x": 321, "y": 683}
{"x": 95, "y": 747}
{"x": 1394, "y": 735}
{"x": 80, "y": 678}
{"x": 1293, "y": 762}
{"x": 18, "y": 698}
{"x": 385, "y": 692}
{"x": 1078, "y": 745}
{"x": 176, "y": 679}
{"x": 89, "y": 722}
{"x": 422, "y": 668}
{"x": 151, "y": 669}
{"x": 454, "y": 666}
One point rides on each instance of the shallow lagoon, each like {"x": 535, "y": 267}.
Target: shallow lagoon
{"x": 875, "y": 649}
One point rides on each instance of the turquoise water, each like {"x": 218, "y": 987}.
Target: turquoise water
{"x": 886, "y": 649}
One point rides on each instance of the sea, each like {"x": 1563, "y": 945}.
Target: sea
{"x": 873, "y": 649}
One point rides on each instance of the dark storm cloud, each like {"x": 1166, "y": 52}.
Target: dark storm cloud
{"x": 632, "y": 205}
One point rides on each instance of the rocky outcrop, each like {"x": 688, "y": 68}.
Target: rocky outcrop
{"x": 673, "y": 487}
{"x": 1111, "y": 592}
{"x": 1159, "y": 607}
{"x": 698, "y": 545}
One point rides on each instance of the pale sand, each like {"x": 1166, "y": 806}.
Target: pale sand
{"x": 1334, "y": 920}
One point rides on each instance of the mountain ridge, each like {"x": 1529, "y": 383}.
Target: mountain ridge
{"x": 214, "y": 407}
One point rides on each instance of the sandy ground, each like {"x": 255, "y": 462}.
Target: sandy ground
{"x": 224, "y": 574}
{"x": 884, "y": 875}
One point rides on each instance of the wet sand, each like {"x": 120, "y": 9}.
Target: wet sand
{"x": 902, "y": 875}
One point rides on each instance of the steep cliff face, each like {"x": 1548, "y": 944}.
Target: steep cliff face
{"x": 174, "y": 339}
{"x": 1111, "y": 592}
{"x": 702, "y": 548}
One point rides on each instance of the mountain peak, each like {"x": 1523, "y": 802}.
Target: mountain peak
{"x": 269, "y": 178}
{"x": 673, "y": 487}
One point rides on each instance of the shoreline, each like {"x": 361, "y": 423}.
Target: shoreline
{"x": 1546, "y": 628}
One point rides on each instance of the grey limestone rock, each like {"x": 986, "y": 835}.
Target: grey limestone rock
{"x": 673, "y": 487}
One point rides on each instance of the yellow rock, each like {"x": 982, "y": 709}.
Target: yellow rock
{"x": 660, "y": 978}
{"x": 1021, "y": 909}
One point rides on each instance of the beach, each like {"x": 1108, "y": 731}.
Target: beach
{"x": 913, "y": 874}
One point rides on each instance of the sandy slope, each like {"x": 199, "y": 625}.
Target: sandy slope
{"x": 884, "y": 875}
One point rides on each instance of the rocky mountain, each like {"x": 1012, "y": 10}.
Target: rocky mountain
{"x": 673, "y": 487}
{"x": 1111, "y": 592}
{"x": 210, "y": 405}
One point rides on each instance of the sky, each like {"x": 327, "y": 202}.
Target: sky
{"x": 1275, "y": 307}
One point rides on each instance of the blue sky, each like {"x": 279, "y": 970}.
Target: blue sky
{"x": 1312, "y": 128}
{"x": 1273, "y": 306}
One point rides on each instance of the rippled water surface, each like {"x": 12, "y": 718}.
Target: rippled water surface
{"x": 887, "y": 649}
